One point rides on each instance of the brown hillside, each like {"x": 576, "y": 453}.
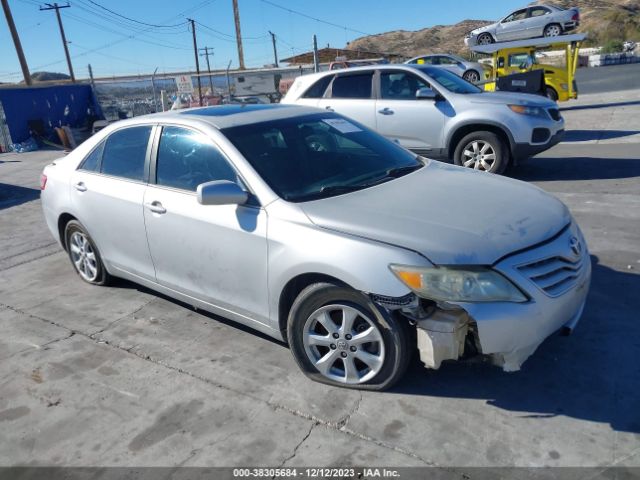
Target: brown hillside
{"x": 603, "y": 20}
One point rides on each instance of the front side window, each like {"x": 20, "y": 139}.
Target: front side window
{"x": 187, "y": 158}
{"x": 517, "y": 15}
{"x": 400, "y": 85}
{"x": 352, "y": 86}
{"x": 125, "y": 152}
{"x": 448, "y": 80}
{"x": 423, "y": 61}
{"x": 91, "y": 163}
{"x": 320, "y": 155}
{"x": 317, "y": 89}
{"x": 521, "y": 60}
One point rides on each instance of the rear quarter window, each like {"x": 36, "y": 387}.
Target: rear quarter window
{"x": 317, "y": 89}
{"x": 91, "y": 162}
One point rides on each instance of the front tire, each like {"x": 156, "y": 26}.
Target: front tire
{"x": 339, "y": 337}
{"x": 552, "y": 30}
{"x": 485, "y": 39}
{"x": 551, "y": 94}
{"x": 484, "y": 151}
{"x": 84, "y": 254}
{"x": 471, "y": 76}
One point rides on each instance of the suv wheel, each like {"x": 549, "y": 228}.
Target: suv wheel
{"x": 338, "y": 336}
{"x": 482, "y": 151}
{"x": 84, "y": 254}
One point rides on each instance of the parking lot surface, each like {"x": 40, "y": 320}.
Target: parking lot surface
{"x": 123, "y": 376}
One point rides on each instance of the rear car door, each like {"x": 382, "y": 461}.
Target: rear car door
{"x": 416, "y": 124}
{"x": 351, "y": 94}
{"x": 538, "y": 18}
{"x": 107, "y": 191}
{"x": 215, "y": 253}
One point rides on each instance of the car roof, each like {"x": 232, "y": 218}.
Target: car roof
{"x": 225, "y": 116}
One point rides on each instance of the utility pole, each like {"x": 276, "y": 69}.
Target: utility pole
{"x": 195, "y": 51}
{"x": 275, "y": 51}
{"x": 57, "y": 8}
{"x": 16, "y": 42}
{"x": 206, "y": 54}
{"x": 236, "y": 16}
{"x": 316, "y": 60}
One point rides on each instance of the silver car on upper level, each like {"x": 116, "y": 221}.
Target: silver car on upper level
{"x": 528, "y": 22}
{"x": 313, "y": 229}
{"x": 471, "y": 71}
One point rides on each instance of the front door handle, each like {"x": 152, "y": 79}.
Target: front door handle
{"x": 328, "y": 107}
{"x": 386, "y": 111}
{"x": 156, "y": 207}
{"x": 81, "y": 187}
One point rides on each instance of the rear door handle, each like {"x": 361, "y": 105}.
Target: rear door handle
{"x": 328, "y": 107}
{"x": 156, "y": 207}
{"x": 81, "y": 187}
{"x": 386, "y": 111}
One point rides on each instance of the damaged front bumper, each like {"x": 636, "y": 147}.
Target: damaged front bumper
{"x": 555, "y": 276}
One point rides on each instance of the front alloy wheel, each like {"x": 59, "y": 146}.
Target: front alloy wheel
{"x": 479, "y": 155}
{"x": 482, "y": 150}
{"x": 343, "y": 344}
{"x": 485, "y": 39}
{"x": 340, "y": 337}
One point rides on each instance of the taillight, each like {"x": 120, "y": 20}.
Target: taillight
{"x": 576, "y": 17}
{"x": 43, "y": 181}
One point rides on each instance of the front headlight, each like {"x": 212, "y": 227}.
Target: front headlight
{"x": 458, "y": 285}
{"x": 564, "y": 86}
{"x": 527, "y": 110}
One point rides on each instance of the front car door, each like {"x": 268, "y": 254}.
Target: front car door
{"x": 512, "y": 27}
{"x": 214, "y": 253}
{"x": 415, "y": 124}
{"x": 107, "y": 191}
{"x": 351, "y": 94}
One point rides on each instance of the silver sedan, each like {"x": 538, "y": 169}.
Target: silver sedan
{"x": 529, "y": 22}
{"x": 313, "y": 229}
{"x": 471, "y": 71}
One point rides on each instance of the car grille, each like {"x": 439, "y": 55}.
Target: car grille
{"x": 554, "y": 275}
{"x": 555, "y": 114}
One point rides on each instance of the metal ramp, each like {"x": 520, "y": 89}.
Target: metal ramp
{"x": 543, "y": 42}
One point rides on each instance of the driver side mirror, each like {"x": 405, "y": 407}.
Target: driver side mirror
{"x": 425, "y": 93}
{"x": 221, "y": 192}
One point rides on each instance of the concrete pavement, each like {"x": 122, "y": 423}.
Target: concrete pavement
{"x": 123, "y": 376}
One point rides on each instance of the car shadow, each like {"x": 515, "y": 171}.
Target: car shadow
{"x": 575, "y": 168}
{"x": 586, "y": 135}
{"x": 600, "y": 105}
{"x": 590, "y": 375}
{"x": 13, "y": 195}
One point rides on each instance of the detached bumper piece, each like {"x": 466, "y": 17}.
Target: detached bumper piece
{"x": 442, "y": 337}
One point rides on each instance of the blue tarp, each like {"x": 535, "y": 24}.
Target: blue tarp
{"x": 55, "y": 106}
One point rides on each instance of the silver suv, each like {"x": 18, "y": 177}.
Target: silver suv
{"x": 437, "y": 114}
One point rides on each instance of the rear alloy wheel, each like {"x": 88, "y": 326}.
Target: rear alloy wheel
{"x": 483, "y": 151}
{"x": 339, "y": 337}
{"x": 84, "y": 255}
{"x": 485, "y": 39}
{"x": 471, "y": 76}
{"x": 552, "y": 30}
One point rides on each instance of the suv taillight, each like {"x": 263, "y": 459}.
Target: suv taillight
{"x": 43, "y": 181}
{"x": 576, "y": 17}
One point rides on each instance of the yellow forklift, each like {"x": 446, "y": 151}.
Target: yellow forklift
{"x": 512, "y": 58}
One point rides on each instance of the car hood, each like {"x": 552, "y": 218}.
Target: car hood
{"x": 451, "y": 215}
{"x": 512, "y": 98}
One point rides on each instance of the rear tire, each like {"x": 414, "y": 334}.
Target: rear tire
{"x": 484, "y": 151}
{"x": 84, "y": 254}
{"x": 368, "y": 349}
{"x": 471, "y": 76}
{"x": 552, "y": 30}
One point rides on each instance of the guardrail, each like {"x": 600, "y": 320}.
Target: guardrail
{"x": 613, "y": 59}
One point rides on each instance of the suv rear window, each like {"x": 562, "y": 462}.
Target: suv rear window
{"x": 352, "y": 86}
{"x": 317, "y": 89}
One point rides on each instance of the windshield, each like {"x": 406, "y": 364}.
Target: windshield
{"x": 319, "y": 155}
{"x": 448, "y": 80}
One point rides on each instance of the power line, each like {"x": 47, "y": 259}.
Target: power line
{"x": 134, "y": 20}
{"x": 286, "y": 9}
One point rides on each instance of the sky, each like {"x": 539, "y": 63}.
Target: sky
{"x": 156, "y": 34}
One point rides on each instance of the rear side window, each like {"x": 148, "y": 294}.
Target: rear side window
{"x": 91, "y": 163}
{"x": 317, "y": 89}
{"x": 125, "y": 152}
{"x": 187, "y": 158}
{"x": 352, "y": 86}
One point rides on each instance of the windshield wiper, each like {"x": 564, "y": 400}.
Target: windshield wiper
{"x": 341, "y": 188}
{"x": 400, "y": 171}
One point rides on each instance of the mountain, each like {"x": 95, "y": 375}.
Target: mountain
{"x": 602, "y": 20}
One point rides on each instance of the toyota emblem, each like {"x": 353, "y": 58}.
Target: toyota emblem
{"x": 575, "y": 245}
